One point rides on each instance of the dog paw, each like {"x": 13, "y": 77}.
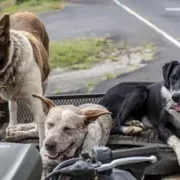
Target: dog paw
{"x": 135, "y": 123}
{"x": 10, "y": 128}
{"x": 20, "y": 127}
{"x": 131, "y": 130}
{"x": 12, "y": 136}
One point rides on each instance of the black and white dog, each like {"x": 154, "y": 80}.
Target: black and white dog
{"x": 158, "y": 102}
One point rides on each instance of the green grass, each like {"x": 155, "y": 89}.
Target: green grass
{"x": 79, "y": 53}
{"x": 110, "y": 76}
{"x": 9, "y": 6}
{"x": 57, "y": 91}
{"x": 91, "y": 84}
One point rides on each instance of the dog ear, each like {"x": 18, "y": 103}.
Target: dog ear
{"x": 167, "y": 70}
{"x": 92, "y": 114}
{"x": 47, "y": 103}
{"x": 5, "y": 29}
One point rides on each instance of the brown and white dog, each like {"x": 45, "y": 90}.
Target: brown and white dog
{"x": 24, "y": 67}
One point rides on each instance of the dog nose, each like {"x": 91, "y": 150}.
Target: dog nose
{"x": 176, "y": 97}
{"x": 50, "y": 146}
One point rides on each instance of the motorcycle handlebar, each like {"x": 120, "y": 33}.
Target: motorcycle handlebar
{"x": 81, "y": 167}
{"x": 102, "y": 159}
{"x": 124, "y": 161}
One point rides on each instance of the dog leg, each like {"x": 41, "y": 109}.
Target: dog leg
{"x": 132, "y": 103}
{"x": 133, "y": 127}
{"x": 13, "y": 115}
{"x": 174, "y": 142}
{"x": 135, "y": 123}
{"x": 166, "y": 134}
{"x": 36, "y": 107}
{"x": 20, "y": 135}
{"x": 23, "y": 127}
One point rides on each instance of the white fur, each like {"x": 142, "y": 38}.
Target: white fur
{"x": 13, "y": 113}
{"x": 19, "y": 135}
{"x": 166, "y": 93}
{"x": 25, "y": 53}
{"x": 170, "y": 106}
{"x": 174, "y": 143}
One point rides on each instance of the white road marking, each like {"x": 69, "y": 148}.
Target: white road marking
{"x": 172, "y": 9}
{"x": 147, "y": 22}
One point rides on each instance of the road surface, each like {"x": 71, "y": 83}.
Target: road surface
{"x": 89, "y": 18}
{"x": 169, "y": 21}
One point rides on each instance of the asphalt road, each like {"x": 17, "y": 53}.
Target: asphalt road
{"x": 169, "y": 21}
{"x": 89, "y": 18}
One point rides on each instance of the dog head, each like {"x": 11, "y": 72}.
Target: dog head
{"x": 65, "y": 130}
{"x": 171, "y": 88}
{"x": 4, "y": 39}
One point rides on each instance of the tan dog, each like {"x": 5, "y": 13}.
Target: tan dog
{"x": 24, "y": 64}
{"x": 68, "y": 131}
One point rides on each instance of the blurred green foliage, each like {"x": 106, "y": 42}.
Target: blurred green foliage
{"x": 17, "y": 2}
{"x": 36, "y": 6}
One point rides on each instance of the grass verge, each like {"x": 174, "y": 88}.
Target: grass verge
{"x": 79, "y": 53}
{"x": 36, "y": 6}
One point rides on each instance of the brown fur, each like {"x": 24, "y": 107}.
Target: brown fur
{"x": 26, "y": 21}
{"x": 30, "y": 25}
{"x": 40, "y": 55}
